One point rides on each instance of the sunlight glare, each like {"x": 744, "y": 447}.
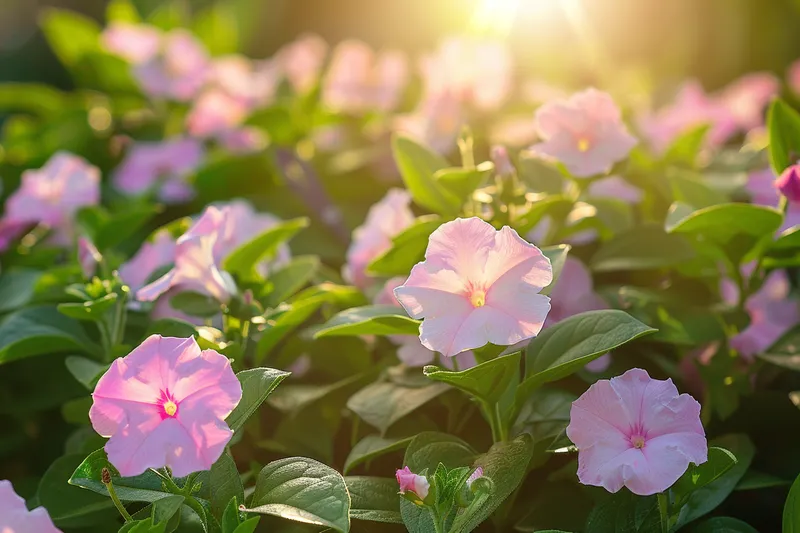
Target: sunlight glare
{"x": 498, "y": 16}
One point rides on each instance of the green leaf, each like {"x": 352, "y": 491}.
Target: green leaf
{"x": 783, "y": 124}
{"x": 122, "y": 224}
{"x": 17, "y": 287}
{"x": 216, "y": 26}
{"x": 685, "y": 148}
{"x": 374, "y": 499}
{"x": 32, "y": 98}
{"x": 86, "y": 371}
{"x": 791, "y": 509}
{"x": 242, "y": 261}
{"x": 369, "y": 320}
{"x": 143, "y": 526}
{"x": 248, "y": 526}
{"x": 257, "y": 385}
{"x": 143, "y": 488}
{"x": 225, "y": 484}
{"x": 544, "y": 416}
{"x": 566, "y": 347}
{"x": 624, "y": 512}
{"x": 725, "y": 524}
{"x": 487, "y": 381}
{"x": 755, "y": 480}
{"x": 540, "y": 175}
{"x": 290, "y": 278}
{"x": 721, "y": 223}
{"x": 373, "y": 446}
{"x": 462, "y": 182}
{"x": 304, "y": 490}
{"x": 71, "y": 35}
{"x": 784, "y": 352}
{"x": 642, "y": 248}
{"x": 276, "y": 329}
{"x": 408, "y": 248}
{"x": 696, "y": 477}
{"x": 195, "y": 304}
{"x": 40, "y": 330}
{"x": 70, "y": 506}
{"x": 92, "y": 311}
{"x": 384, "y": 403}
{"x": 558, "y": 257}
{"x": 690, "y": 188}
{"x": 122, "y": 11}
{"x": 506, "y": 464}
{"x": 417, "y": 166}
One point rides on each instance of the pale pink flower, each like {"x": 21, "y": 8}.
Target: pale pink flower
{"x": 15, "y": 517}
{"x": 178, "y": 71}
{"x": 359, "y": 80}
{"x": 136, "y": 43}
{"x": 88, "y": 256}
{"x": 615, "y": 187}
{"x": 216, "y": 112}
{"x": 164, "y": 166}
{"x": 153, "y": 255}
{"x": 165, "y": 404}
{"x": 772, "y": 312}
{"x": 477, "y": 285}
{"x": 301, "y": 61}
{"x": 241, "y": 224}
{"x": 762, "y": 190}
{"x": 788, "y": 183}
{"x": 411, "y": 482}
{"x": 692, "y": 108}
{"x": 585, "y": 133}
{"x": 390, "y": 216}
{"x": 436, "y": 122}
{"x": 747, "y": 97}
{"x": 476, "y": 71}
{"x": 51, "y": 196}
{"x": 793, "y": 77}
{"x": 636, "y": 432}
{"x": 477, "y": 474}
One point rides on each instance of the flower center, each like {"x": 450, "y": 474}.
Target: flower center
{"x": 478, "y": 298}
{"x": 637, "y": 441}
{"x": 584, "y": 144}
{"x": 170, "y": 408}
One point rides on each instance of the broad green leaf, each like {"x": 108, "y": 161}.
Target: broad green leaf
{"x": 417, "y": 166}
{"x": 487, "y": 381}
{"x": 195, "y": 304}
{"x": 408, "y": 248}
{"x": 40, "y": 330}
{"x": 725, "y": 524}
{"x": 690, "y": 188}
{"x": 92, "y": 311}
{"x": 685, "y": 148}
{"x": 216, "y": 26}
{"x": 17, "y": 287}
{"x": 304, "y": 490}
{"x": 556, "y": 206}
{"x": 143, "y": 488}
{"x": 785, "y": 352}
{"x": 783, "y": 124}
{"x": 143, "y": 526}
{"x": 558, "y": 257}
{"x": 86, "y": 371}
{"x": 791, "y": 509}
{"x": 32, "y": 98}
{"x": 544, "y": 416}
{"x": 70, "y": 506}
{"x": 225, "y": 484}
{"x": 624, "y": 512}
{"x": 123, "y": 224}
{"x": 373, "y": 446}
{"x": 293, "y": 398}
{"x": 566, "y": 347}
{"x": 374, "y": 499}
{"x": 382, "y": 404}
{"x": 232, "y": 519}
{"x": 696, "y": 477}
{"x": 462, "y": 182}
{"x": 506, "y": 464}
{"x": 278, "y": 328}
{"x": 721, "y": 223}
{"x": 71, "y": 35}
{"x": 122, "y": 11}
{"x": 290, "y": 278}
{"x": 369, "y": 320}
{"x": 257, "y": 385}
{"x": 540, "y": 175}
{"x": 755, "y": 480}
{"x": 243, "y": 260}
{"x": 642, "y": 248}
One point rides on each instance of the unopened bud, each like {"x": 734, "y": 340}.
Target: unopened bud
{"x": 789, "y": 183}
{"x": 105, "y": 476}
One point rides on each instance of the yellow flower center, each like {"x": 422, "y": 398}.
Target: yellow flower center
{"x": 170, "y": 408}
{"x": 478, "y": 298}
{"x": 584, "y": 144}
{"x": 638, "y": 442}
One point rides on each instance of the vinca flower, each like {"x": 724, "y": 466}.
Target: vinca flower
{"x": 585, "y": 133}
{"x": 435, "y": 123}
{"x": 411, "y": 482}
{"x": 477, "y": 285}
{"x": 788, "y": 183}
{"x": 153, "y": 255}
{"x": 165, "y": 404}
{"x": 747, "y": 97}
{"x": 301, "y": 61}
{"x": 136, "y": 43}
{"x": 178, "y": 72}
{"x": 637, "y": 432}
{"x": 15, "y": 517}
{"x": 761, "y": 185}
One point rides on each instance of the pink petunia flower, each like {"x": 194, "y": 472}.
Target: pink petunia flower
{"x": 51, "y": 196}
{"x": 585, "y": 133}
{"x": 216, "y": 112}
{"x": 747, "y": 97}
{"x": 762, "y": 190}
{"x": 636, "y": 432}
{"x": 88, "y": 256}
{"x": 436, "y": 122}
{"x": 359, "y": 80}
{"x": 178, "y": 71}
{"x": 165, "y": 404}
{"x": 793, "y": 77}
{"x": 164, "y": 166}
{"x": 475, "y": 71}
{"x": 301, "y": 61}
{"x": 788, "y": 183}
{"x": 15, "y": 517}
{"x": 390, "y": 216}
{"x": 136, "y": 43}
{"x": 477, "y": 285}
{"x": 411, "y": 482}
{"x": 242, "y": 224}
{"x": 153, "y": 255}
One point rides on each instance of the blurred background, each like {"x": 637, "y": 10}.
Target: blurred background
{"x": 563, "y": 41}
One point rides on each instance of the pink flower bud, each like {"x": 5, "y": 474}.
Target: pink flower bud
{"x": 502, "y": 163}
{"x": 478, "y": 473}
{"x": 789, "y": 183}
{"x": 411, "y": 482}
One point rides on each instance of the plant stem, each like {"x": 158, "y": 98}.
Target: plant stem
{"x": 663, "y": 511}
{"x": 499, "y": 433}
{"x": 117, "y": 502}
{"x": 437, "y": 521}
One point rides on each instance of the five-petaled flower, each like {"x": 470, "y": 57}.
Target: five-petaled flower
{"x": 477, "y": 285}
{"x": 15, "y": 517}
{"x": 585, "y": 133}
{"x": 165, "y": 404}
{"x": 637, "y": 432}
{"x": 411, "y": 482}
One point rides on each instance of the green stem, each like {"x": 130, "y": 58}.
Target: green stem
{"x": 499, "y": 433}
{"x": 117, "y": 503}
{"x": 663, "y": 511}
{"x": 437, "y": 521}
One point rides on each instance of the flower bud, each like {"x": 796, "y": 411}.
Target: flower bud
{"x": 415, "y": 488}
{"x": 105, "y": 476}
{"x": 478, "y": 473}
{"x": 789, "y": 183}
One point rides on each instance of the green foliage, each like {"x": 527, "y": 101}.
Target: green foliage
{"x": 418, "y": 165}
{"x": 369, "y": 320}
{"x": 783, "y": 124}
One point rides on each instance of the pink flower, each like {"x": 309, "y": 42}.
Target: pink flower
{"x": 390, "y": 216}
{"x": 692, "y": 108}
{"x": 165, "y": 166}
{"x": 475, "y": 71}
{"x": 152, "y": 256}
{"x": 243, "y": 140}
{"x": 179, "y": 71}
{"x": 165, "y": 404}
{"x": 88, "y": 256}
{"x": 136, "y": 43}
{"x": 585, "y": 133}
{"x": 636, "y": 431}
{"x": 615, "y": 187}
{"x": 301, "y": 61}
{"x": 242, "y": 224}
{"x": 793, "y": 77}
{"x": 788, "y": 183}
{"x": 358, "y": 80}
{"x": 477, "y": 285}
{"x": 761, "y": 186}
{"x": 15, "y": 517}
{"x": 411, "y": 482}
{"x": 477, "y": 474}
{"x": 747, "y": 97}
{"x": 216, "y": 112}
{"x": 436, "y": 123}
{"x": 51, "y": 196}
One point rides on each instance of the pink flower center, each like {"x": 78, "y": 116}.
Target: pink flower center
{"x": 169, "y": 407}
{"x": 478, "y": 298}
{"x": 637, "y": 441}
